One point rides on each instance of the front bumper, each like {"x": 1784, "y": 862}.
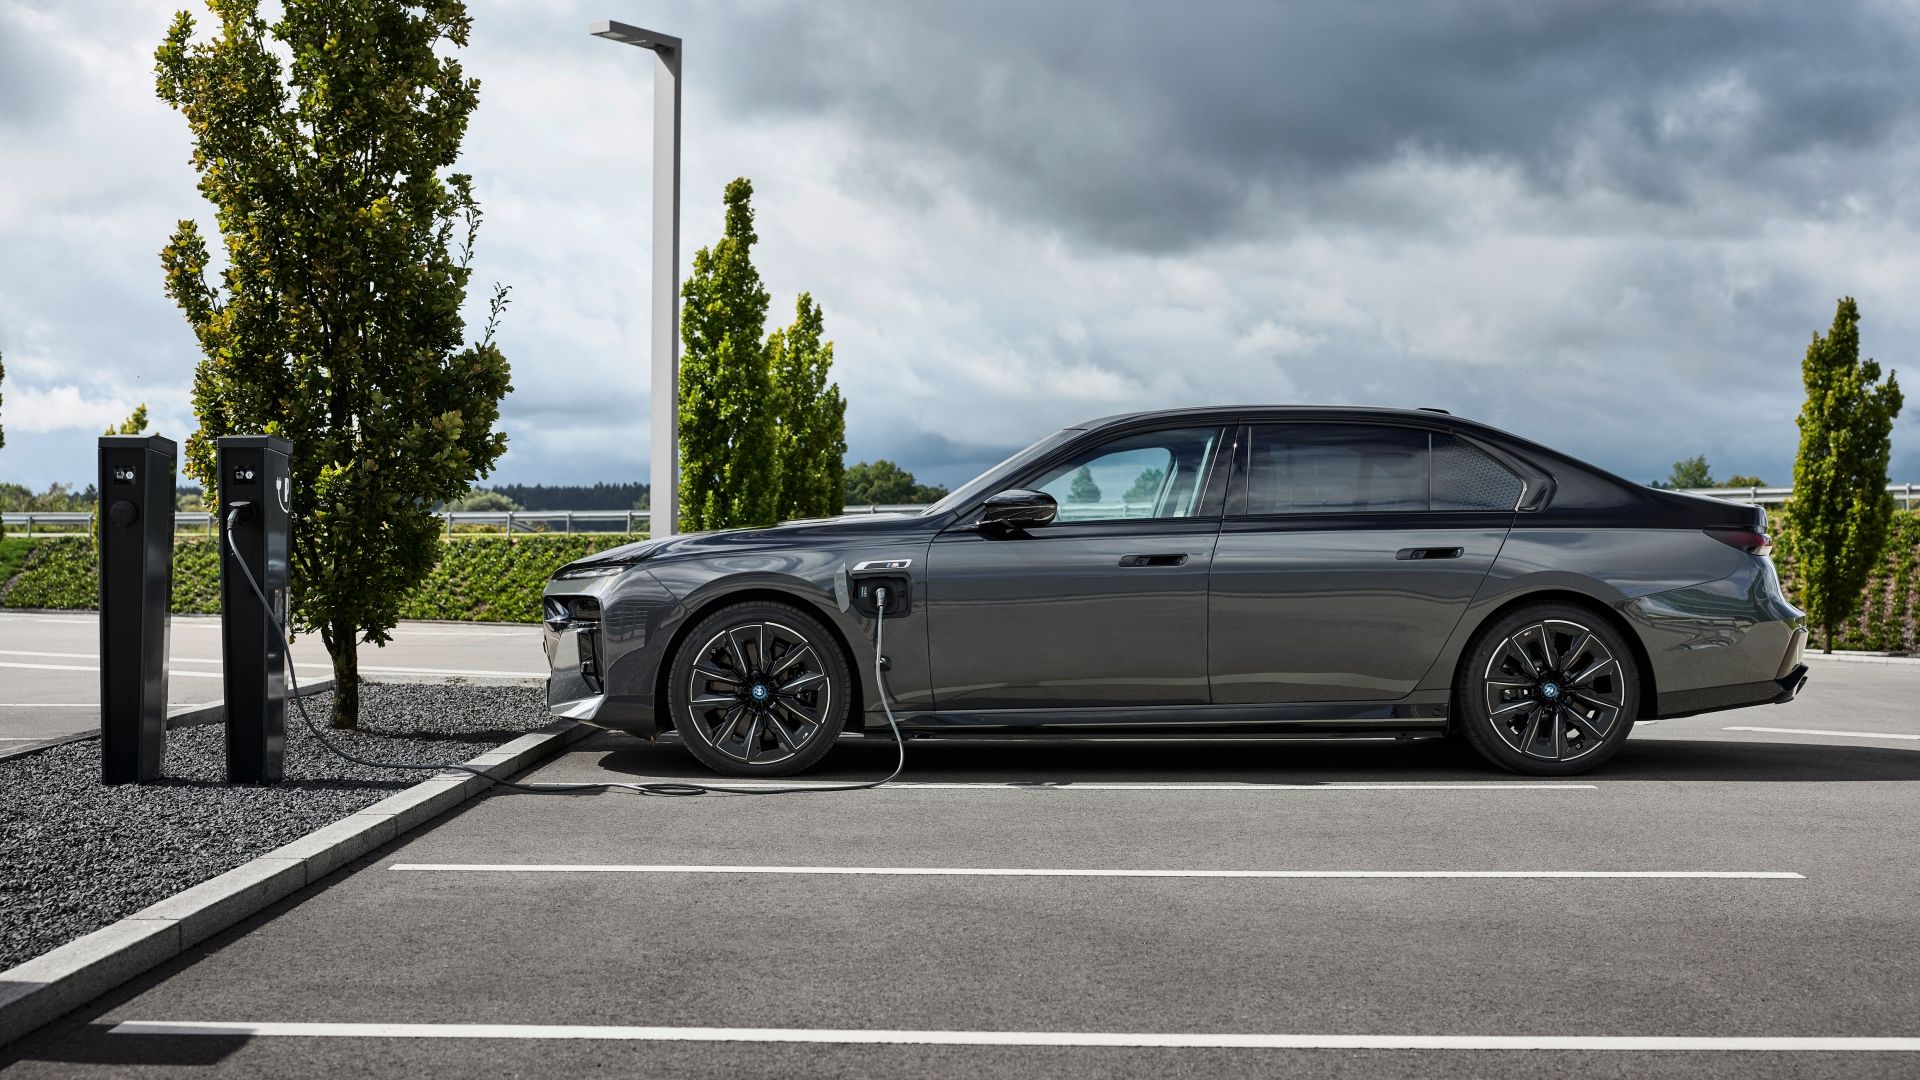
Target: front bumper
{"x": 604, "y": 672}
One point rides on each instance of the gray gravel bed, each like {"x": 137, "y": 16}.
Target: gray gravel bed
{"x": 76, "y": 854}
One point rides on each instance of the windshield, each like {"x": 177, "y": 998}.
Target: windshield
{"x": 978, "y": 486}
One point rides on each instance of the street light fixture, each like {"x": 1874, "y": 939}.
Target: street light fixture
{"x": 663, "y": 517}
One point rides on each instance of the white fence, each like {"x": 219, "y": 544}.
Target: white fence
{"x": 1907, "y": 495}
{"x": 512, "y": 521}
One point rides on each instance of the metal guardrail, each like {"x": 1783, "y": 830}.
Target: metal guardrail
{"x": 1908, "y": 494}
{"x": 513, "y": 521}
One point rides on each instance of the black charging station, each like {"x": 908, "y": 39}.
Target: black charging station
{"x": 136, "y": 589}
{"x": 256, "y": 490}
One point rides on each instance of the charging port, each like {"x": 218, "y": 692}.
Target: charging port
{"x": 866, "y": 589}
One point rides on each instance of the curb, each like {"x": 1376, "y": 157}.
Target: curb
{"x": 1862, "y": 658}
{"x": 56, "y": 982}
{"x": 213, "y": 712}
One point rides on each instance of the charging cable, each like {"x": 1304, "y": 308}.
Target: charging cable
{"x": 879, "y": 674}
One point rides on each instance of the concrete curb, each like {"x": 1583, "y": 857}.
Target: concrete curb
{"x": 213, "y": 712}
{"x": 1861, "y": 658}
{"x": 57, "y": 982}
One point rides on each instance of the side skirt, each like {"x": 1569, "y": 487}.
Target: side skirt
{"x": 1306, "y": 720}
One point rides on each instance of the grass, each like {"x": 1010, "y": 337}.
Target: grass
{"x": 13, "y": 552}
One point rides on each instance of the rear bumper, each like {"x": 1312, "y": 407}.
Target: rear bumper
{"x": 1724, "y": 644}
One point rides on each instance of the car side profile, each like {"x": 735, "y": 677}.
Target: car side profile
{"x": 1279, "y": 571}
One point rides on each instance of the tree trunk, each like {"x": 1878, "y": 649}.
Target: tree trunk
{"x": 1828, "y": 631}
{"x": 343, "y": 644}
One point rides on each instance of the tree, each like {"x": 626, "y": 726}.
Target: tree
{"x": 729, "y": 475}
{"x": 810, "y": 417}
{"x": 1841, "y": 509}
{"x": 483, "y": 500}
{"x": 882, "y": 483}
{"x": 323, "y": 142}
{"x": 1083, "y": 490}
{"x": 1691, "y": 473}
{"x": 133, "y": 424}
{"x": 1743, "y": 481}
{"x": 1146, "y": 486}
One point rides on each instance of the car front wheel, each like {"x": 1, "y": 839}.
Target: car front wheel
{"x": 759, "y": 689}
{"x": 1547, "y": 690}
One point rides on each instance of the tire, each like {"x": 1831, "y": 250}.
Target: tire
{"x": 778, "y": 717}
{"x": 1550, "y": 689}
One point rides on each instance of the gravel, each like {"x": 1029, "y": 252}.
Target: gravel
{"x": 76, "y": 854}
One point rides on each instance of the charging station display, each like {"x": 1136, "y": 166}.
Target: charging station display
{"x": 255, "y": 485}
{"x": 136, "y": 588}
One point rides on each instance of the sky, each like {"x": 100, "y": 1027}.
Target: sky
{"x": 1612, "y": 227}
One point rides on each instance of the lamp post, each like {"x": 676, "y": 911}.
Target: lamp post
{"x": 663, "y": 518}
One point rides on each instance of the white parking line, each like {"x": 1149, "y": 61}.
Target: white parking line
{"x": 1817, "y": 731}
{"x": 1054, "y": 785}
{"x": 1176, "y": 1040}
{"x": 1024, "y": 871}
{"x": 313, "y": 674}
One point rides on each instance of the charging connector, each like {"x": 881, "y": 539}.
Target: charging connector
{"x": 242, "y": 511}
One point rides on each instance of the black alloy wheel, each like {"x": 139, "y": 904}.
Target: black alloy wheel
{"x": 1547, "y": 690}
{"x": 759, "y": 689}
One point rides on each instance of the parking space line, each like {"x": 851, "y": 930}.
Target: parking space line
{"x": 1026, "y": 871}
{"x": 1174, "y": 1040}
{"x": 1055, "y": 785}
{"x": 1817, "y": 731}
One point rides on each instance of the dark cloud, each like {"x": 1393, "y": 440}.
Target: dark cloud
{"x": 1166, "y": 127}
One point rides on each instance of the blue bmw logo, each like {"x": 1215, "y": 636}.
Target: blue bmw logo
{"x": 759, "y": 692}
{"x": 1549, "y": 690}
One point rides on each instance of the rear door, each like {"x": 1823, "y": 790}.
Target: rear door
{"x": 1348, "y": 554}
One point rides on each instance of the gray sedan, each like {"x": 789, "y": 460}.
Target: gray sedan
{"x": 1221, "y": 572}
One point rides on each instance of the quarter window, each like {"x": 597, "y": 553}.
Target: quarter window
{"x": 1466, "y": 478}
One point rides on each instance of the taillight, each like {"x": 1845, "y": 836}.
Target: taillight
{"x": 1751, "y": 541}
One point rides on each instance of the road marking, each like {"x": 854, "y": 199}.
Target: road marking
{"x": 1177, "y": 1040}
{"x": 312, "y": 674}
{"x": 452, "y": 671}
{"x": 1817, "y": 731}
{"x": 1050, "y": 785}
{"x": 1022, "y": 871}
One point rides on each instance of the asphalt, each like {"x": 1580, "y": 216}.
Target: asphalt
{"x": 1834, "y": 952}
{"x": 50, "y": 683}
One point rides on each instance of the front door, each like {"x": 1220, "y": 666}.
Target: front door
{"x": 1348, "y": 555}
{"x": 1105, "y": 607}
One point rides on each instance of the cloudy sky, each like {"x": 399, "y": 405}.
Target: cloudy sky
{"x": 1608, "y": 226}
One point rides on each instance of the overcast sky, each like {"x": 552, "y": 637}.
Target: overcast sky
{"x": 1611, "y": 227}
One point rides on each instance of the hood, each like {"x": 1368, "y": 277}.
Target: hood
{"x": 737, "y": 540}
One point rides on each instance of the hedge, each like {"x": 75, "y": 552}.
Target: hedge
{"x": 487, "y": 578}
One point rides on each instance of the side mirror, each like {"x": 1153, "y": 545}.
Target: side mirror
{"x": 1018, "y": 509}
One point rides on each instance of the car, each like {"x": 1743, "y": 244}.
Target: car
{"x": 1279, "y": 571}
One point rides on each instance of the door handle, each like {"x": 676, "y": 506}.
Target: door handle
{"x": 1153, "y": 560}
{"x": 1429, "y": 553}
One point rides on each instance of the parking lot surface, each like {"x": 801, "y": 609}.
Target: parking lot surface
{"x": 50, "y": 681}
{"x": 1706, "y": 894}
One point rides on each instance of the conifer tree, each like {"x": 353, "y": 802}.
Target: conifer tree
{"x": 811, "y": 421}
{"x": 1841, "y": 509}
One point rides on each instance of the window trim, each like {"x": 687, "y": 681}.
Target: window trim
{"x": 1236, "y": 500}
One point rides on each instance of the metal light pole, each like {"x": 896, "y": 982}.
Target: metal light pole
{"x": 663, "y": 517}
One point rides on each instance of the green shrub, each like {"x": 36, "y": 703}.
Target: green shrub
{"x": 13, "y": 552}
{"x": 1889, "y": 615}
{"x": 486, "y": 579}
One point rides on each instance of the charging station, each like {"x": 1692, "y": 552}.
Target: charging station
{"x": 255, "y": 499}
{"x": 136, "y": 589}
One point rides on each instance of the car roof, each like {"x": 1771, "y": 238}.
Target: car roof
{"x": 1217, "y": 413}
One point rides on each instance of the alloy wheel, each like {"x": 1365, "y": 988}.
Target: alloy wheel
{"x": 1553, "y": 690}
{"x": 760, "y": 692}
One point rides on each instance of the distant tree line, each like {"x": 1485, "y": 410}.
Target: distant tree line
{"x": 554, "y": 497}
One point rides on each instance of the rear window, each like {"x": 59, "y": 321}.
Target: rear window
{"x": 1362, "y": 468}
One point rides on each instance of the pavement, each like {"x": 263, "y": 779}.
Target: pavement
{"x": 49, "y": 665}
{"x": 1784, "y": 910}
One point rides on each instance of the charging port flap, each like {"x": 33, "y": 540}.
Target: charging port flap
{"x": 866, "y": 588}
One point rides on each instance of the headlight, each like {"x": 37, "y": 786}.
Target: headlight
{"x": 568, "y": 573}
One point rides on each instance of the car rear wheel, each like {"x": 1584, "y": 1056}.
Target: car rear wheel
{"x": 758, "y": 689}
{"x": 1547, "y": 690}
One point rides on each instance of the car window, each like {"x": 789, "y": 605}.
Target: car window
{"x": 1336, "y": 469}
{"x": 1157, "y": 474}
{"x": 1466, "y": 477}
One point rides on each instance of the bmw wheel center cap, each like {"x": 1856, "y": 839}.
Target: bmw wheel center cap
{"x": 759, "y": 692}
{"x": 1550, "y": 691}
